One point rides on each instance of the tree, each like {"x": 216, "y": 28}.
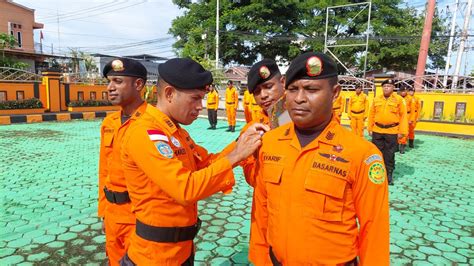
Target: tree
{"x": 251, "y": 29}
{"x": 8, "y": 41}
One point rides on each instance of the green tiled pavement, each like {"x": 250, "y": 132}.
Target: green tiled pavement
{"x": 48, "y": 189}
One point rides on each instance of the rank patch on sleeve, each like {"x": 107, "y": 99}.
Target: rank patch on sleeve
{"x": 372, "y": 158}
{"x": 164, "y": 149}
{"x": 377, "y": 173}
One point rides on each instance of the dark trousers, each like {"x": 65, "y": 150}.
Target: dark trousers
{"x": 387, "y": 144}
{"x": 212, "y": 116}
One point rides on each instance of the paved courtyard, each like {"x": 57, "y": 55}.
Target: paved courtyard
{"x": 48, "y": 191}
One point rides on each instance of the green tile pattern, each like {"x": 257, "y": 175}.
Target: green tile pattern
{"x": 48, "y": 190}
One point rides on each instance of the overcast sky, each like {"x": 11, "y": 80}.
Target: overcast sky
{"x": 96, "y": 26}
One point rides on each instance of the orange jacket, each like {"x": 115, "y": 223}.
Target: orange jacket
{"x": 167, "y": 173}
{"x": 387, "y": 112}
{"x": 308, "y": 199}
{"x": 247, "y": 99}
{"x": 110, "y": 165}
{"x": 417, "y": 107}
{"x": 411, "y": 106}
{"x": 212, "y": 100}
{"x": 338, "y": 105}
{"x": 358, "y": 106}
{"x": 231, "y": 98}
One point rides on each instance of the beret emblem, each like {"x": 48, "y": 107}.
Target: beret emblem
{"x": 117, "y": 65}
{"x": 264, "y": 72}
{"x": 314, "y": 66}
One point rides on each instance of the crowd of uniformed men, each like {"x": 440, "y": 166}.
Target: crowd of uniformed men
{"x": 320, "y": 191}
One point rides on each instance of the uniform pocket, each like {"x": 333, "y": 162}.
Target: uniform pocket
{"x": 324, "y": 195}
{"x": 392, "y": 107}
{"x": 108, "y": 138}
{"x": 272, "y": 177}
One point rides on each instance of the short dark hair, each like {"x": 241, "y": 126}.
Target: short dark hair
{"x": 230, "y": 82}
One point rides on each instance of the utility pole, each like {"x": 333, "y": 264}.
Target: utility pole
{"x": 450, "y": 45}
{"x": 467, "y": 17}
{"x": 425, "y": 45}
{"x": 59, "y": 38}
{"x": 217, "y": 35}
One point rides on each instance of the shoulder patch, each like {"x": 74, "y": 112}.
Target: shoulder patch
{"x": 175, "y": 142}
{"x": 372, "y": 158}
{"x": 164, "y": 149}
{"x": 377, "y": 173}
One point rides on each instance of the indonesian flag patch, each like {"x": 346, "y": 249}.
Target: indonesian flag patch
{"x": 156, "y": 135}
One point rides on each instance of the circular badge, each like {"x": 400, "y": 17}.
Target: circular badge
{"x": 164, "y": 149}
{"x": 264, "y": 72}
{"x": 175, "y": 142}
{"x": 117, "y": 65}
{"x": 314, "y": 66}
{"x": 377, "y": 173}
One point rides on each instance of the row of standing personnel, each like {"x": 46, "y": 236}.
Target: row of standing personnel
{"x": 389, "y": 138}
{"x": 314, "y": 181}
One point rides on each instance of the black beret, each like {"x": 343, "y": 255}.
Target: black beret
{"x": 184, "y": 73}
{"x": 125, "y": 67}
{"x": 261, "y": 72}
{"x": 388, "y": 81}
{"x": 311, "y": 65}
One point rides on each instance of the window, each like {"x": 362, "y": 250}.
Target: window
{"x": 3, "y": 96}
{"x": 105, "y": 95}
{"x": 438, "y": 110}
{"x": 19, "y": 38}
{"x": 20, "y": 95}
{"x": 460, "y": 111}
{"x": 93, "y": 95}
{"x": 80, "y": 96}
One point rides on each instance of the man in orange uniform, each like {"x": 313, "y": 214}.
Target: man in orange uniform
{"x": 410, "y": 105}
{"x": 212, "y": 104}
{"x": 358, "y": 108}
{"x": 338, "y": 107}
{"x": 388, "y": 123}
{"x": 126, "y": 79}
{"x": 412, "y": 126}
{"x": 247, "y": 110}
{"x": 267, "y": 86}
{"x": 167, "y": 172}
{"x": 231, "y": 104}
{"x": 321, "y": 195}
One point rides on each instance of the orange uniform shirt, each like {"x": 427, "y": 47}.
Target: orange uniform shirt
{"x": 247, "y": 99}
{"x": 411, "y": 106}
{"x": 110, "y": 165}
{"x": 311, "y": 200}
{"x": 212, "y": 100}
{"x": 358, "y": 106}
{"x": 166, "y": 174}
{"x": 387, "y": 111}
{"x": 417, "y": 107}
{"x": 338, "y": 105}
{"x": 231, "y": 98}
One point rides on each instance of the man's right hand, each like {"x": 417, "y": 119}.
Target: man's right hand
{"x": 248, "y": 143}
